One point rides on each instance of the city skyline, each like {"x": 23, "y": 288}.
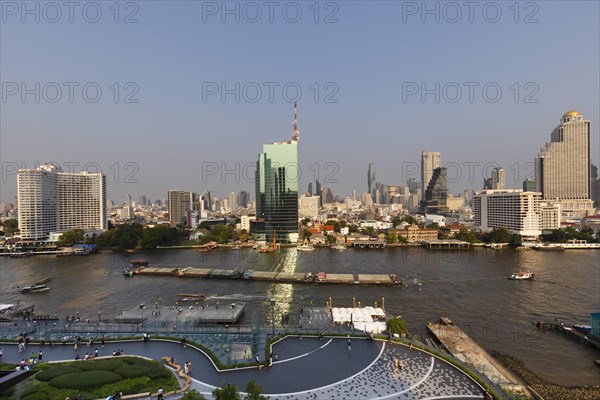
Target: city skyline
{"x": 373, "y": 120}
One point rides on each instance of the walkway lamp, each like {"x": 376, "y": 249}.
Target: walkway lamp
{"x": 272, "y": 315}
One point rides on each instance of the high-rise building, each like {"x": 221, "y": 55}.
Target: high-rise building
{"x": 528, "y": 185}
{"x": 244, "y": 199}
{"x": 318, "y": 193}
{"x": 277, "y": 188}
{"x": 327, "y": 196}
{"x": 413, "y": 185}
{"x": 513, "y": 209}
{"x": 436, "y": 194}
{"x": 309, "y": 205}
{"x": 498, "y": 179}
{"x": 233, "y": 204}
{"x": 371, "y": 181}
{"x": 430, "y": 160}
{"x": 209, "y": 199}
{"x": 180, "y": 202}
{"x": 50, "y": 200}
{"x": 143, "y": 200}
{"x": 310, "y": 188}
{"x": 562, "y": 167}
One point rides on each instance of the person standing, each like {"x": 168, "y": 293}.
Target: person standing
{"x": 349, "y": 345}
{"x": 159, "y": 393}
{"x": 40, "y": 355}
{"x": 96, "y": 352}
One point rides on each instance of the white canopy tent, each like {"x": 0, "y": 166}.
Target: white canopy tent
{"x": 366, "y": 319}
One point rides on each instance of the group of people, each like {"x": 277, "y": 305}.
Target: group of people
{"x": 25, "y": 363}
{"x": 398, "y": 363}
{"x": 118, "y": 352}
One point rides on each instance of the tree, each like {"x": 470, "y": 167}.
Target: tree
{"x": 369, "y": 230}
{"x": 11, "y": 226}
{"x": 392, "y": 236}
{"x": 396, "y": 325}
{"x": 468, "y": 236}
{"x": 353, "y": 228}
{"x": 411, "y": 220}
{"x": 254, "y": 391}
{"x": 227, "y": 391}
{"x": 70, "y": 238}
{"x": 305, "y": 221}
{"x": 331, "y": 239}
{"x": 516, "y": 240}
{"x": 336, "y": 225}
{"x": 193, "y": 394}
{"x": 306, "y": 234}
{"x": 500, "y": 235}
{"x": 396, "y": 221}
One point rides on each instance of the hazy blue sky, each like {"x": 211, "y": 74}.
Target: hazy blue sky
{"x": 366, "y": 61}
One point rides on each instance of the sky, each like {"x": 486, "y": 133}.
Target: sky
{"x": 163, "y": 95}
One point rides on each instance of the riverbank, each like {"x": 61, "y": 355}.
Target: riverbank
{"x": 547, "y": 390}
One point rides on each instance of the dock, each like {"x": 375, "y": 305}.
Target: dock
{"x": 461, "y": 346}
{"x": 446, "y": 244}
{"x": 214, "y": 313}
{"x": 272, "y": 276}
{"x": 570, "y": 332}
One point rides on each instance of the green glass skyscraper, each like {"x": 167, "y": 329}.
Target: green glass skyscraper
{"x": 277, "y": 175}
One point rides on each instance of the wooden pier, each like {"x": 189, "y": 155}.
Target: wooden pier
{"x": 461, "y": 346}
{"x": 271, "y": 276}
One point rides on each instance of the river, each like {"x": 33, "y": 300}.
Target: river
{"x": 469, "y": 286}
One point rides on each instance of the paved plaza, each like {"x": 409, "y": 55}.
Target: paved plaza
{"x": 306, "y": 368}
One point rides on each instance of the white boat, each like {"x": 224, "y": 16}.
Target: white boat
{"x": 519, "y": 276}
{"x": 305, "y": 247}
{"x": 340, "y": 247}
{"x": 35, "y": 289}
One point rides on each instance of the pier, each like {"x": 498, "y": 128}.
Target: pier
{"x": 368, "y": 244}
{"x": 271, "y": 276}
{"x": 461, "y": 346}
{"x": 569, "y": 332}
{"x": 215, "y": 313}
{"x": 448, "y": 244}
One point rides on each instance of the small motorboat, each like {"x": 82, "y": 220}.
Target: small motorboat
{"x": 340, "y": 247}
{"x": 306, "y": 247}
{"x": 34, "y": 289}
{"x": 520, "y": 276}
{"x": 583, "y": 328}
{"x": 142, "y": 263}
{"x": 128, "y": 273}
{"x": 190, "y": 297}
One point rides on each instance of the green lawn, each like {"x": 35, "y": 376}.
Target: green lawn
{"x": 93, "y": 379}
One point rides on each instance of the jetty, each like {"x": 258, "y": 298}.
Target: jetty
{"x": 272, "y": 276}
{"x": 454, "y": 340}
{"x": 214, "y": 313}
{"x": 569, "y": 332}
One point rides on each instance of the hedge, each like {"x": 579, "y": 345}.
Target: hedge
{"x": 99, "y": 365}
{"x": 85, "y": 379}
{"x": 132, "y": 371}
{"x": 52, "y": 373}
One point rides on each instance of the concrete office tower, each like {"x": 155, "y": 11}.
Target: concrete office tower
{"x": 498, "y": 179}
{"x": 233, "y": 201}
{"x": 562, "y": 167}
{"x": 327, "y": 196}
{"x": 277, "y": 188}
{"x": 513, "y": 209}
{"x": 180, "y": 203}
{"x": 50, "y": 200}
{"x": 309, "y": 205}
{"x": 371, "y": 182}
{"x": 310, "y": 189}
{"x": 430, "y": 160}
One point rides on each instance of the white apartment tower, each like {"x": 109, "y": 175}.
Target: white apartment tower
{"x": 430, "y": 160}
{"x": 54, "y": 201}
{"x": 562, "y": 167}
{"x": 513, "y": 209}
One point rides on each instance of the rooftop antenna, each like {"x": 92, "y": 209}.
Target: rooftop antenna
{"x": 295, "y": 124}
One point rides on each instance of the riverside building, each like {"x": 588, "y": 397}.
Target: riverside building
{"x": 53, "y": 201}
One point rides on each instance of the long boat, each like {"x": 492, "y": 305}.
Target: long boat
{"x": 35, "y": 289}
{"x": 43, "y": 280}
{"x": 191, "y": 297}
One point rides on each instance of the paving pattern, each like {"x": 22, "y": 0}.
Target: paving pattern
{"x": 308, "y": 369}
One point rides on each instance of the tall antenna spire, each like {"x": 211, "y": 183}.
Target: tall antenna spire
{"x": 295, "y": 125}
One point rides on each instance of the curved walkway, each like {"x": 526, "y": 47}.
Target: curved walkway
{"x": 307, "y": 369}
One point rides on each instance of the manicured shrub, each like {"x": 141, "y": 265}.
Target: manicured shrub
{"x": 85, "y": 379}
{"x": 99, "y": 365}
{"x": 36, "y": 396}
{"x": 132, "y": 371}
{"x": 53, "y": 372}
